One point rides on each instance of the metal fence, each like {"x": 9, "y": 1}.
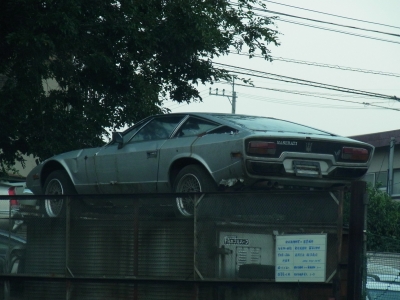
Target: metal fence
{"x": 140, "y": 247}
{"x": 383, "y": 270}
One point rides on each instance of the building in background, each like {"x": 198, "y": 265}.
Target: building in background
{"x": 30, "y": 163}
{"x": 378, "y": 172}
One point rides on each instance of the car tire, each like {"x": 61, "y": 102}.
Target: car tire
{"x": 191, "y": 179}
{"x": 57, "y": 183}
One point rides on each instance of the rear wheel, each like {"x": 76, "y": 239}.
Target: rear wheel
{"x": 57, "y": 183}
{"x": 191, "y": 179}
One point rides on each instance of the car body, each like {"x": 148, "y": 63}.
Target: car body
{"x": 12, "y": 261}
{"x": 12, "y": 252}
{"x": 189, "y": 152}
{"x": 382, "y": 290}
{"x": 380, "y": 272}
{"x": 10, "y": 218}
{"x": 383, "y": 282}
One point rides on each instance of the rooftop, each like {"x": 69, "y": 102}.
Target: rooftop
{"x": 379, "y": 139}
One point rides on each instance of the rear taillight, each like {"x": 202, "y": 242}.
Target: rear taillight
{"x": 259, "y": 147}
{"x": 14, "y": 204}
{"x": 350, "y": 153}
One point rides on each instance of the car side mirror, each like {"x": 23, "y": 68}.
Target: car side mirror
{"x": 117, "y": 138}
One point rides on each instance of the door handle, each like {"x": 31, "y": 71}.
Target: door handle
{"x": 151, "y": 154}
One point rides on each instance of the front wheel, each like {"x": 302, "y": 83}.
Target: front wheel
{"x": 191, "y": 179}
{"x": 57, "y": 183}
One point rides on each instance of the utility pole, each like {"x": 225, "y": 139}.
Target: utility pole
{"x": 390, "y": 167}
{"x": 234, "y": 97}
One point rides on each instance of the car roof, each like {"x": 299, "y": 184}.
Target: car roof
{"x": 238, "y": 121}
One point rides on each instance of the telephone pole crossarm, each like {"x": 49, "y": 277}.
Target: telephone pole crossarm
{"x": 234, "y": 96}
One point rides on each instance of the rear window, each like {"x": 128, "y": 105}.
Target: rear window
{"x": 269, "y": 124}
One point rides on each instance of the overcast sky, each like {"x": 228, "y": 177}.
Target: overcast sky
{"x": 343, "y": 113}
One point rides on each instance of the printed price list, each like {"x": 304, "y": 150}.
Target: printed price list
{"x": 300, "y": 258}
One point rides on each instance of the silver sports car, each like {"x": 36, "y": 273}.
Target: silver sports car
{"x": 203, "y": 152}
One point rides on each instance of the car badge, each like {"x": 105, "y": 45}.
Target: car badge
{"x": 308, "y": 147}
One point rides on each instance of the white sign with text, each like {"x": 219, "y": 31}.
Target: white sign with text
{"x": 300, "y": 257}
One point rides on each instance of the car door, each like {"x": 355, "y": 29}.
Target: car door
{"x": 106, "y": 168}
{"x": 104, "y": 162}
{"x": 179, "y": 147}
{"x": 137, "y": 160}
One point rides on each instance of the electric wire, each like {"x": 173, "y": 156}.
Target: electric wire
{"x": 380, "y": 169}
{"x": 266, "y": 75}
{"x": 310, "y": 63}
{"x": 297, "y": 103}
{"x": 333, "y": 15}
{"x": 324, "y": 22}
{"x": 328, "y": 98}
{"x": 338, "y": 31}
{"x": 332, "y": 94}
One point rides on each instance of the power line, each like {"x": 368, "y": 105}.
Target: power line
{"x": 327, "y": 96}
{"x": 297, "y": 103}
{"x": 266, "y": 75}
{"x": 325, "y": 22}
{"x": 311, "y": 95}
{"x": 338, "y": 16}
{"x": 310, "y": 63}
{"x": 339, "y": 31}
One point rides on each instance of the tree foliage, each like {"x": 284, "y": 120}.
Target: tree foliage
{"x": 114, "y": 63}
{"x": 383, "y": 220}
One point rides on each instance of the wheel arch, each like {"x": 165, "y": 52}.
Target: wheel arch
{"x": 180, "y": 163}
{"x": 48, "y": 168}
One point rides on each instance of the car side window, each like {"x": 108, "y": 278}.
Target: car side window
{"x": 223, "y": 130}
{"x": 131, "y": 133}
{"x": 195, "y": 126}
{"x": 158, "y": 128}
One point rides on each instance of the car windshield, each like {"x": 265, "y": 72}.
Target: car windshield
{"x": 270, "y": 124}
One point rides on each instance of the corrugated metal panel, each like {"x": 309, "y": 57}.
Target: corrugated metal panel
{"x": 101, "y": 247}
{"x": 46, "y": 247}
{"x": 267, "y": 208}
{"x": 166, "y": 249}
{"x": 45, "y": 255}
{"x": 105, "y": 247}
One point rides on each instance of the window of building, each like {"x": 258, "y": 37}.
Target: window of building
{"x": 381, "y": 179}
{"x": 369, "y": 178}
{"x": 396, "y": 182}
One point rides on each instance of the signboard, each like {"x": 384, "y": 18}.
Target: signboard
{"x": 300, "y": 257}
